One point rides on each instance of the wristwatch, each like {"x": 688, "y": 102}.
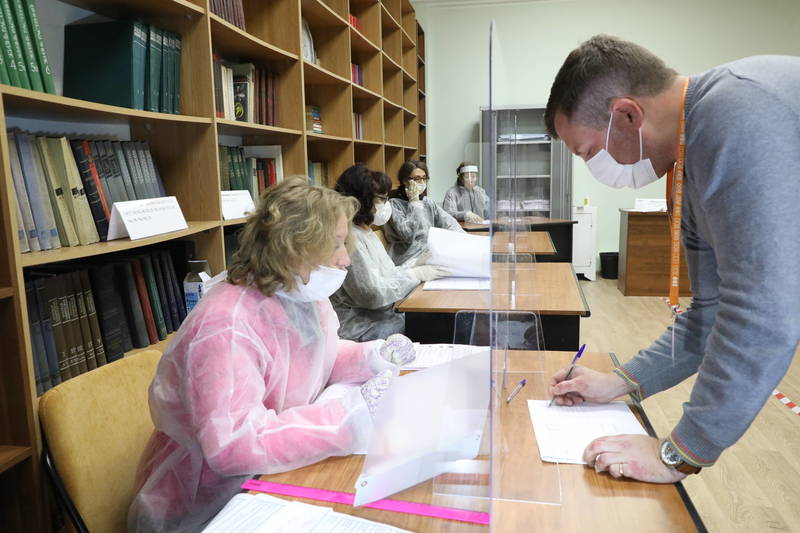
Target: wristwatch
{"x": 673, "y": 459}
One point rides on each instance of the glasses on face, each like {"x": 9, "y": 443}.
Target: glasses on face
{"x": 378, "y": 200}
{"x": 420, "y": 179}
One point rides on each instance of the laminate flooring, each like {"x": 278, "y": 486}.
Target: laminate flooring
{"x": 755, "y": 486}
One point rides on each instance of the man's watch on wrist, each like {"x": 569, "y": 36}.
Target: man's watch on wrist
{"x": 671, "y": 457}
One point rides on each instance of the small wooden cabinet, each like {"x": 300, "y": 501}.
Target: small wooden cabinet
{"x": 644, "y": 248}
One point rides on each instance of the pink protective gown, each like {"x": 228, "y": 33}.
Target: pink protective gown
{"x": 234, "y": 395}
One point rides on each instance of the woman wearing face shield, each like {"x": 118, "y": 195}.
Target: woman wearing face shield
{"x": 238, "y": 391}
{"x": 373, "y": 284}
{"x": 466, "y": 200}
{"x": 413, "y": 214}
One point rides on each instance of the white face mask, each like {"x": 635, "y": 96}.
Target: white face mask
{"x": 322, "y": 282}
{"x": 383, "y": 213}
{"x": 608, "y": 171}
{"x": 421, "y": 186}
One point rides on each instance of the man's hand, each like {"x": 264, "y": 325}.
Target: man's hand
{"x": 586, "y": 385}
{"x": 632, "y": 456}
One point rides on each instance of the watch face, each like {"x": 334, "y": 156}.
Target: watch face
{"x": 670, "y": 455}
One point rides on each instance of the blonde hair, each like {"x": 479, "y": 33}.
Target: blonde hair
{"x": 294, "y": 226}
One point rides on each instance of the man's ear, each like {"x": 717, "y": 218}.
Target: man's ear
{"x": 627, "y": 113}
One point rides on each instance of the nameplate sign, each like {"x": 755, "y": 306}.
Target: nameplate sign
{"x": 236, "y": 204}
{"x": 138, "y": 219}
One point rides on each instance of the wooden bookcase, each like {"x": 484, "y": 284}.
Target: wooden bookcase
{"x": 388, "y": 45}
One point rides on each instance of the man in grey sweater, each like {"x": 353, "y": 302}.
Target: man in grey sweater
{"x": 618, "y": 107}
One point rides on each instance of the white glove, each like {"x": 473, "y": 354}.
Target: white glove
{"x": 373, "y": 390}
{"x": 427, "y": 272}
{"x": 413, "y": 191}
{"x": 472, "y": 218}
{"x": 398, "y": 349}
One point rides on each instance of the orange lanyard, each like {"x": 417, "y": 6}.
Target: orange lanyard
{"x": 675, "y": 187}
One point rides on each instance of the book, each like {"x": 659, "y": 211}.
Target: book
{"x": 121, "y": 167}
{"x": 52, "y": 292}
{"x": 126, "y": 285}
{"x": 314, "y": 119}
{"x": 91, "y": 314}
{"x": 110, "y": 312}
{"x": 158, "y": 274}
{"x": 116, "y": 58}
{"x": 51, "y": 350}
{"x": 16, "y": 44}
{"x": 144, "y": 300}
{"x": 97, "y": 166}
{"x": 116, "y": 183}
{"x": 132, "y": 159}
{"x": 155, "y": 300}
{"x": 21, "y": 194}
{"x": 155, "y": 185}
{"x": 83, "y": 319}
{"x": 9, "y": 59}
{"x": 22, "y": 238}
{"x": 77, "y": 201}
{"x": 155, "y": 44}
{"x": 244, "y": 75}
{"x": 41, "y": 375}
{"x": 93, "y": 188}
{"x": 41, "y": 50}
{"x": 26, "y": 41}
{"x": 269, "y": 152}
{"x": 72, "y": 331}
{"x": 176, "y": 73}
{"x": 174, "y": 298}
{"x": 38, "y": 196}
{"x": 65, "y": 224}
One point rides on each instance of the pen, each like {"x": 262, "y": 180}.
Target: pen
{"x": 571, "y": 368}
{"x": 516, "y": 390}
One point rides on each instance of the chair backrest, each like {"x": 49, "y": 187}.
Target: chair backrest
{"x": 97, "y": 425}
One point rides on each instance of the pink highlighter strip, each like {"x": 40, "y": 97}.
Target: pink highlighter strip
{"x": 398, "y": 506}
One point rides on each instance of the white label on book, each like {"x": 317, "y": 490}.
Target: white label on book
{"x": 236, "y": 204}
{"x": 138, "y": 219}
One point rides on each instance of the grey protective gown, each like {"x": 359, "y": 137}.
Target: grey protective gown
{"x": 373, "y": 284}
{"x": 407, "y": 230}
{"x": 458, "y": 200}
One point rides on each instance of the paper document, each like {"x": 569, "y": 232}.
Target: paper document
{"x": 457, "y": 284}
{"x": 261, "y": 513}
{"x": 562, "y": 433}
{"x": 650, "y": 204}
{"x": 460, "y": 253}
{"x": 436, "y": 354}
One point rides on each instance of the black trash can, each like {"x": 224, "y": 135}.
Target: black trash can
{"x": 609, "y": 264}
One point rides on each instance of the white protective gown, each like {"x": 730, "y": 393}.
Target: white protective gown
{"x": 233, "y": 397}
{"x": 373, "y": 284}
{"x": 459, "y": 199}
{"x": 407, "y": 230}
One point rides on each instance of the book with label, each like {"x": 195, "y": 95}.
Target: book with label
{"x": 110, "y": 312}
{"x": 27, "y": 43}
{"x": 92, "y": 187}
{"x": 16, "y": 44}
{"x": 55, "y": 188}
{"x": 9, "y": 58}
{"x": 126, "y": 285}
{"x": 38, "y": 196}
{"x": 41, "y": 50}
{"x": 48, "y": 335}
{"x": 152, "y": 291}
{"x": 91, "y": 315}
{"x": 21, "y": 194}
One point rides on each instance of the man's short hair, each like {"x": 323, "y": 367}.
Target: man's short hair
{"x": 599, "y": 70}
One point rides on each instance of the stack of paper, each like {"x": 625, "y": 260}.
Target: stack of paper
{"x": 261, "y": 513}
{"x": 436, "y": 354}
{"x": 457, "y": 284}
{"x": 459, "y": 253}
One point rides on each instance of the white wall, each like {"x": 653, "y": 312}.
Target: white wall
{"x": 535, "y": 37}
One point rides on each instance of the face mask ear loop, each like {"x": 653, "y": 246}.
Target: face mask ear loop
{"x": 640, "y": 143}
{"x": 608, "y": 129}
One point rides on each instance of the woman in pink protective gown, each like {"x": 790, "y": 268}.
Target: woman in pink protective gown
{"x": 235, "y": 394}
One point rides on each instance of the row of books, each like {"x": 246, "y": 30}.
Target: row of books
{"x": 314, "y": 119}
{"x": 66, "y": 188}
{"x": 358, "y": 125}
{"x": 250, "y": 168}
{"x": 23, "y": 59}
{"x": 82, "y": 318}
{"x": 354, "y": 22}
{"x": 245, "y": 93}
{"x": 130, "y": 64}
{"x": 318, "y": 173}
{"x": 230, "y": 10}
{"x": 357, "y": 74}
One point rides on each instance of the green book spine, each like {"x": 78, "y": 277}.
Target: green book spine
{"x": 176, "y": 67}
{"x": 28, "y": 51}
{"x": 41, "y": 50}
{"x": 139, "y": 63}
{"x": 165, "y": 97}
{"x": 16, "y": 44}
{"x": 8, "y": 52}
{"x": 153, "y": 72}
{"x": 152, "y": 291}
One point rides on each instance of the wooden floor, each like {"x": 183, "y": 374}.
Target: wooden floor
{"x": 755, "y": 486}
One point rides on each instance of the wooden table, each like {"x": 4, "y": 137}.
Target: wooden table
{"x": 537, "y": 243}
{"x": 644, "y": 250}
{"x": 560, "y": 231}
{"x": 549, "y": 289}
{"x": 572, "y": 498}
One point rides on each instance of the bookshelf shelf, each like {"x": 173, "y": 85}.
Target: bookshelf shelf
{"x": 421, "y": 124}
{"x": 316, "y": 75}
{"x": 388, "y": 19}
{"x": 362, "y": 93}
{"x": 392, "y": 104}
{"x": 360, "y": 43}
{"x": 229, "y": 39}
{"x": 234, "y": 127}
{"x": 127, "y": 8}
{"x": 234, "y": 222}
{"x": 408, "y": 113}
{"x": 368, "y": 142}
{"x": 319, "y": 14}
{"x": 11, "y": 456}
{"x": 421, "y": 93}
{"x": 322, "y": 138}
{"x": 34, "y": 104}
{"x": 407, "y": 77}
{"x": 7, "y": 292}
{"x": 391, "y": 145}
{"x": 408, "y": 42}
{"x": 78, "y": 252}
{"x": 420, "y": 60}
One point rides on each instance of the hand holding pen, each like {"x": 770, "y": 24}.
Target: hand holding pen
{"x": 571, "y": 368}
{"x": 577, "y": 384}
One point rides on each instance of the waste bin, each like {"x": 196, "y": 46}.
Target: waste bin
{"x": 609, "y": 264}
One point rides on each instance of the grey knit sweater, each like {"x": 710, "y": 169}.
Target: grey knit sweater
{"x": 741, "y": 234}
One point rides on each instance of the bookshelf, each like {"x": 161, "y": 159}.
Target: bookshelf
{"x": 386, "y": 42}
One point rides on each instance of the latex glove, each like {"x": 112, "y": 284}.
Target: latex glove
{"x": 472, "y": 218}
{"x": 413, "y": 191}
{"x": 427, "y": 272}
{"x": 633, "y": 456}
{"x": 398, "y": 349}
{"x": 373, "y": 390}
{"x": 586, "y": 385}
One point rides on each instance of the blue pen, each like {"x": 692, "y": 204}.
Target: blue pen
{"x": 574, "y": 360}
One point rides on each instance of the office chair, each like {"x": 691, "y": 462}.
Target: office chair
{"x": 95, "y": 428}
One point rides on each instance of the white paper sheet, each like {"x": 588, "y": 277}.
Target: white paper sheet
{"x": 460, "y": 254}
{"x": 457, "y": 284}
{"x": 262, "y": 513}
{"x": 650, "y": 204}
{"x": 562, "y": 433}
{"x": 429, "y": 355}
